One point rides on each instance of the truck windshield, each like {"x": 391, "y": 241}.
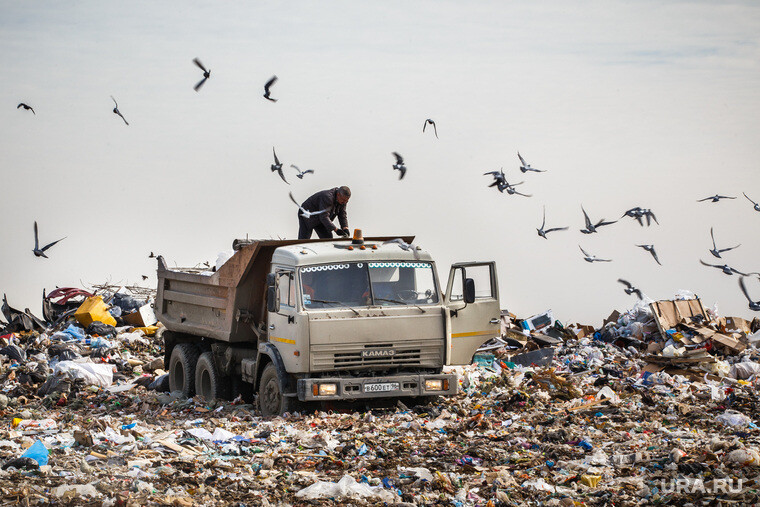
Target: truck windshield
{"x": 368, "y": 283}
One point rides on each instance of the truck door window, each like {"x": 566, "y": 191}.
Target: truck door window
{"x": 481, "y": 275}
{"x": 287, "y": 288}
{"x": 457, "y": 289}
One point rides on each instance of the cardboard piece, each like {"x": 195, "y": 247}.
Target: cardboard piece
{"x": 143, "y": 317}
{"x": 668, "y": 314}
{"x": 733, "y": 345}
{"x": 738, "y": 324}
{"x": 614, "y": 316}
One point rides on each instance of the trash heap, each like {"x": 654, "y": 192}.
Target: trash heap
{"x": 655, "y": 406}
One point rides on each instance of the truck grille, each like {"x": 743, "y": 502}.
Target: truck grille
{"x": 375, "y": 356}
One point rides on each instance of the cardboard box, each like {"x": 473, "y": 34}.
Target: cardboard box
{"x": 737, "y": 324}
{"x": 143, "y": 317}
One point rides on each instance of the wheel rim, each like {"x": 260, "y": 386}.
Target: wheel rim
{"x": 271, "y": 397}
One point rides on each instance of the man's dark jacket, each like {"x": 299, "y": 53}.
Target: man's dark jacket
{"x": 326, "y": 199}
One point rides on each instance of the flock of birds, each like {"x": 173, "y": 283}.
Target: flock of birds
{"x": 640, "y": 215}
{"x": 499, "y": 181}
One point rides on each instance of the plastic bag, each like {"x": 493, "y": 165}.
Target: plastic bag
{"x": 93, "y": 374}
{"x": 733, "y": 418}
{"x": 347, "y": 487}
{"x": 38, "y": 452}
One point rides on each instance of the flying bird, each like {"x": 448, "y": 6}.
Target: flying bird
{"x": 753, "y": 305}
{"x": 116, "y": 110}
{"x": 28, "y": 108}
{"x": 407, "y": 247}
{"x": 630, "y": 289}
{"x": 543, "y": 233}
{"x": 268, "y": 85}
{"x": 304, "y": 213}
{"x": 431, "y": 122}
{"x": 152, "y": 256}
{"x": 756, "y": 205}
{"x": 525, "y": 167}
{"x": 715, "y": 198}
{"x": 499, "y": 179}
{"x": 592, "y": 258}
{"x": 715, "y": 251}
{"x": 40, "y": 252}
{"x": 639, "y": 213}
{"x": 511, "y": 190}
{"x": 301, "y": 173}
{"x": 277, "y": 166}
{"x": 725, "y": 268}
{"x": 144, "y": 277}
{"x": 591, "y": 227}
{"x": 650, "y": 249}
{"x": 206, "y": 74}
{"x": 399, "y": 165}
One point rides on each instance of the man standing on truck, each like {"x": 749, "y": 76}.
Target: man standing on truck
{"x": 333, "y": 201}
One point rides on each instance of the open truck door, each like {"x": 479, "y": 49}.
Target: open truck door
{"x": 472, "y": 298}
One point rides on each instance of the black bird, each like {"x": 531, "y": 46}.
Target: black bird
{"x": 28, "y": 108}
{"x": 590, "y": 227}
{"x": 152, "y": 256}
{"x": 715, "y": 198}
{"x": 753, "y": 305}
{"x": 277, "y": 166}
{"x": 756, "y": 205}
{"x": 650, "y": 249}
{"x": 144, "y": 277}
{"x": 715, "y": 251}
{"x": 499, "y": 179}
{"x": 206, "y": 74}
{"x": 300, "y": 172}
{"x": 630, "y": 289}
{"x": 725, "y": 268}
{"x": 267, "y": 86}
{"x": 638, "y": 213}
{"x": 435, "y": 130}
{"x": 40, "y": 252}
{"x": 116, "y": 110}
{"x": 543, "y": 233}
{"x": 525, "y": 167}
{"x": 399, "y": 165}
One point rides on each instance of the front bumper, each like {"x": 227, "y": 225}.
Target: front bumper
{"x": 359, "y": 388}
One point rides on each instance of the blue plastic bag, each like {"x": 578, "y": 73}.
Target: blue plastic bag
{"x": 75, "y": 332}
{"x": 38, "y": 452}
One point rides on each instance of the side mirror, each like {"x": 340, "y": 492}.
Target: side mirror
{"x": 271, "y": 279}
{"x": 469, "y": 290}
{"x": 273, "y": 299}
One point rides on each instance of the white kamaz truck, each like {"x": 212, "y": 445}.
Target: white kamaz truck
{"x": 324, "y": 320}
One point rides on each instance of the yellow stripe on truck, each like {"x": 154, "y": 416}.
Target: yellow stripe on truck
{"x": 474, "y": 333}
{"x": 283, "y": 340}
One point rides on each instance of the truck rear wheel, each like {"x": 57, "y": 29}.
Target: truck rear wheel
{"x": 209, "y": 382}
{"x": 271, "y": 399}
{"x": 182, "y": 368}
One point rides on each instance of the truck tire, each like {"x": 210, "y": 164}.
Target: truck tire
{"x": 271, "y": 399}
{"x": 182, "y": 368}
{"x": 209, "y": 382}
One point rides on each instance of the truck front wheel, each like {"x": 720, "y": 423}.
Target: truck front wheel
{"x": 271, "y": 399}
{"x": 182, "y": 368}
{"x": 209, "y": 382}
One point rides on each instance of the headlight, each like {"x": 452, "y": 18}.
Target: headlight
{"x": 434, "y": 385}
{"x": 328, "y": 389}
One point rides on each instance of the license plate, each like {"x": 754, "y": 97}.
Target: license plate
{"x": 381, "y": 388}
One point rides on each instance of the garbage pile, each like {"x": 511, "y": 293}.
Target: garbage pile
{"x": 658, "y": 405}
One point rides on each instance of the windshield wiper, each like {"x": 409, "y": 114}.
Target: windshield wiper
{"x": 335, "y": 303}
{"x": 401, "y": 303}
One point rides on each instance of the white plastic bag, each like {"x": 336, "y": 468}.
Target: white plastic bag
{"x": 92, "y": 373}
{"x": 347, "y": 487}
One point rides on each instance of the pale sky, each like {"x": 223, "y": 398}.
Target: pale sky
{"x": 623, "y": 103}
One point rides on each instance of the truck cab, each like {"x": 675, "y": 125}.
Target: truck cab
{"x": 325, "y": 320}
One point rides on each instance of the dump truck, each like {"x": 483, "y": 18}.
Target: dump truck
{"x": 347, "y": 319}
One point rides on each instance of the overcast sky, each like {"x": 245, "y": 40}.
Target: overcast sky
{"x": 653, "y": 104}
